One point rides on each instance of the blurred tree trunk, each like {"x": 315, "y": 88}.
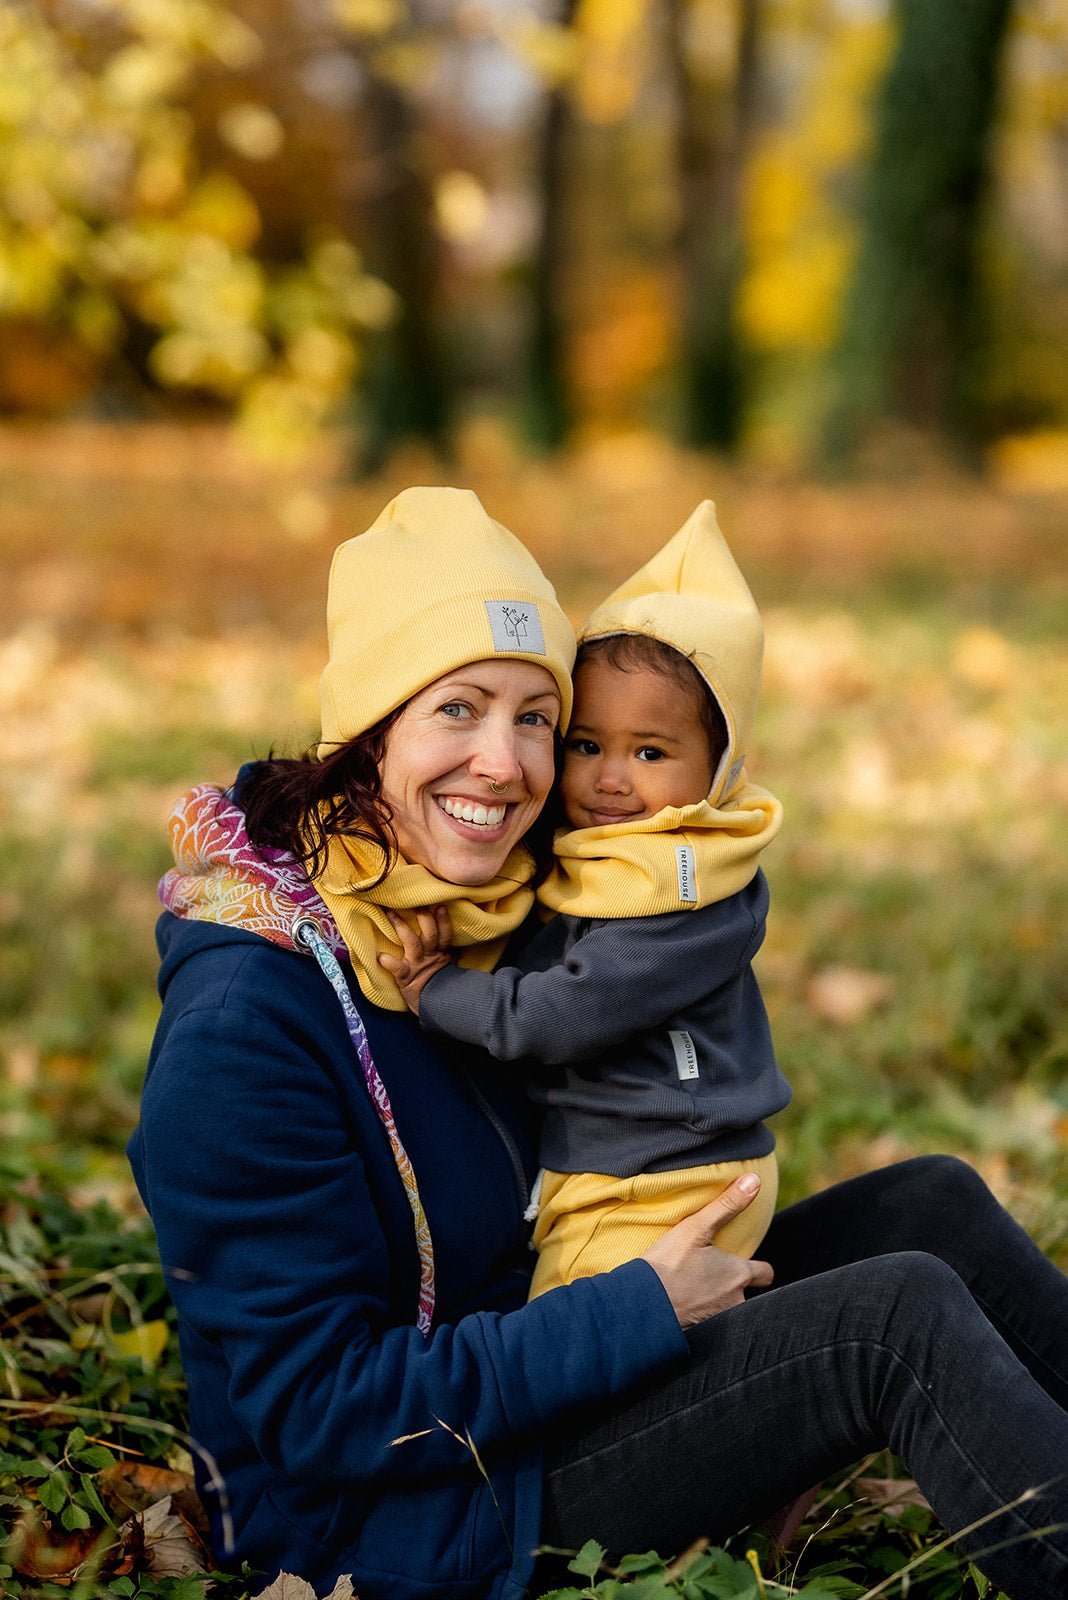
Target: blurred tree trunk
{"x": 547, "y": 410}
{"x": 912, "y": 333}
{"x": 404, "y": 390}
{"x": 714, "y": 132}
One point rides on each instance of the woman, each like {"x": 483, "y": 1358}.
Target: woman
{"x": 339, "y": 1200}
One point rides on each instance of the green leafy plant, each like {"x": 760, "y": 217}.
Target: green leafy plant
{"x": 914, "y": 1559}
{"x": 91, "y": 1391}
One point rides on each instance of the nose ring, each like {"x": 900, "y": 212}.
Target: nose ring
{"x": 498, "y": 788}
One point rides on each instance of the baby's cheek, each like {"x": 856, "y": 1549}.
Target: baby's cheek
{"x": 568, "y": 781}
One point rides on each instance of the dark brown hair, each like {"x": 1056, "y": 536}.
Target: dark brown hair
{"x": 636, "y": 652}
{"x": 301, "y": 804}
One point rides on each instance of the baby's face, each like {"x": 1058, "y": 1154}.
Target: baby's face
{"x": 635, "y": 745}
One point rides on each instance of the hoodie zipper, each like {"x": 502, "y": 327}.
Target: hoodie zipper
{"x": 518, "y": 1170}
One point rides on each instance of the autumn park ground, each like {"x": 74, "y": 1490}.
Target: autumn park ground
{"x": 161, "y": 621}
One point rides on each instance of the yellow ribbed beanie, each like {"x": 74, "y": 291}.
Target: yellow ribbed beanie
{"x": 691, "y": 596}
{"x": 434, "y": 584}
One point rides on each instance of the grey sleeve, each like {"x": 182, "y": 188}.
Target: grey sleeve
{"x": 618, "y": 978}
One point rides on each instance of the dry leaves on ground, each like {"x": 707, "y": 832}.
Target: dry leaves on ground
{"x": 892, "y": 1495}
{"x": 846, "y": 995}
{"x": 288, "y": 1587}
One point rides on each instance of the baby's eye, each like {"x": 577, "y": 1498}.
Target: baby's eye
{"x": 583, "y": 747}
{"x": 649, "y": 752}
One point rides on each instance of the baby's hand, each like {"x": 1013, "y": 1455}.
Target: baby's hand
{"x": 425, "y": 950}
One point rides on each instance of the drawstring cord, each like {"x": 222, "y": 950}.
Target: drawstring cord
{"x": 307, "y": 932}
{"x": 531, "y": 1213}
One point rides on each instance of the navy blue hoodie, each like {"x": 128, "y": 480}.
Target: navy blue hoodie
{"x": 288, "y": 1242}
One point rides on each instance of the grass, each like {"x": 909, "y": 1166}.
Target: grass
{"x": 162, "y": 624}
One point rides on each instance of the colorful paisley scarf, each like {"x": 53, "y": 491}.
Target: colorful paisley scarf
{"x": 219, "y": 877}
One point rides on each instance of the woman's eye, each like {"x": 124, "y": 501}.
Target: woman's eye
{"x": 535, "y": 719}
{"x": 455, "y": 709}
{"x": 649, "y": 752}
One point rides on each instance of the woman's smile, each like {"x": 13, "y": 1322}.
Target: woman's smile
{"x": 468, "y": 766}
{"x": 472, "y": 812}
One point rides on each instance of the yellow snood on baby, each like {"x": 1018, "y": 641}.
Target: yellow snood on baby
{"x": 680, "y": 859}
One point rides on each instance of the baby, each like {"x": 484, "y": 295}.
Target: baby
{"x": 639, "y": 992}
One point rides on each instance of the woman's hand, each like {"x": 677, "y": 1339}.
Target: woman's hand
{"x": 701, "y": 1279}
{"x": 425, "y": 950}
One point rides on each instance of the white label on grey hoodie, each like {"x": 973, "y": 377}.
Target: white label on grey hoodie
{"x": 685, "y": 1054}
{"x": 686, "y": 865}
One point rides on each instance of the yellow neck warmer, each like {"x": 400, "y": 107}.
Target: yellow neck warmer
{"x": 482, "y": 915}
{"x": 680, "y": 859}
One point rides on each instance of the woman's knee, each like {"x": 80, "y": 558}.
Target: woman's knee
{"x": 907, "y": 1310}
{"x": 949, "y": 1177}
{"x": 908, "y": 1275}
{"x": 905, "y": 1302}
{"x": 944, "y": 1191}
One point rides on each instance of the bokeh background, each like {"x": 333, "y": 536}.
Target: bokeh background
{"x": 265, "y": 262}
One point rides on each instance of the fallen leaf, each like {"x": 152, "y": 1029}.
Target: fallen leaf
{"x": 38, "y": 1551}
{"x": 984, "y": 659}
{"x": 892, "y": 1494}
{"x": 846, "y": 995}
{"x": 133, "y": 1485}
{"x": 147, "y": 1341}
{"x": 173, "y": 1548}
{"x": 91, "y": 1308}
{"x": 287, "y": 1587}
{"x": 343, "y": 1589}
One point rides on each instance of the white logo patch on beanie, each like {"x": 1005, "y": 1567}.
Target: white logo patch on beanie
{"x": 516, "y": 626}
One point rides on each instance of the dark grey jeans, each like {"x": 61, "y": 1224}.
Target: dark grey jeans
{"x": 909, "y": 1311}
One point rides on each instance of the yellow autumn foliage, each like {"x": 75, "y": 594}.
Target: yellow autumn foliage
{"x": 253, "y": 130}
{"x": 800, "y": 238}
{"x": 368, "y": 17}
{"x": 554, "y": 52}
{"x": 793, "y": 300}
{"x": 146, "y": 1342}
{"x": 614, "y": 45}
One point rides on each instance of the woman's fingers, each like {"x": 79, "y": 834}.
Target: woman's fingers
{"x": 707, "y": 1222}
{"x": 762, "y": 1275}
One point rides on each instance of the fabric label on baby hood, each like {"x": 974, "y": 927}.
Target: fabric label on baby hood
{"x": 516, "y": 625}
{"x": 685, "y": 1054}
{"x": 733, "y": 775}
{"x": 686, "y": 865}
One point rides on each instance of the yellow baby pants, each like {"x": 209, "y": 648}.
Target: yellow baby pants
{"x": 588, "y": 1222}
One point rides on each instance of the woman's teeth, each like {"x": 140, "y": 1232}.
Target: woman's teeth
{"x": 468, "y": 811}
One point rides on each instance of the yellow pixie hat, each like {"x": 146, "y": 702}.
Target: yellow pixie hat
{"x": 434, "y": 584}
{"x": 692, "y": 596}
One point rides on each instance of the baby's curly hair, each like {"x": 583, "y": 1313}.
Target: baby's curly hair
{"x": 636, "y": 652}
